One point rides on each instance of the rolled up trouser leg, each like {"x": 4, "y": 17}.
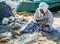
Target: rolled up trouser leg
{"x": 48, "y": 29}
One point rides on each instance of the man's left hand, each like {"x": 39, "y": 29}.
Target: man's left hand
{"x": 44, "y": 25}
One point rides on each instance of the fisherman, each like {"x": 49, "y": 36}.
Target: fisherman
{"x": 43, "y": 20}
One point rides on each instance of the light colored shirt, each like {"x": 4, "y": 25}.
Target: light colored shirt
{"x": 47, "y": 15}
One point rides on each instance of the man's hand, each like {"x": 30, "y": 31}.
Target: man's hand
{"x": 44, "y": 25}
{"x": 37, "y": 20}
{"x": 44, "y": 19}
{"x": 41, "y": 20}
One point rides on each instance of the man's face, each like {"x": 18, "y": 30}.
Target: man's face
{"x": 41, "y": 10}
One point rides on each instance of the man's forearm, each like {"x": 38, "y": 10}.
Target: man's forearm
{"x": 41, "y": 20}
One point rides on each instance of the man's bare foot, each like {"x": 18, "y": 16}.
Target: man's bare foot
{"x": 21, "y": 32}
{"x": 15, "y": 32}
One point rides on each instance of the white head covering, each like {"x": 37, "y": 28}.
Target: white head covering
{"x": 43, "y": 6}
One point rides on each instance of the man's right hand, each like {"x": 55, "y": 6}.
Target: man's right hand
{"x": 37, "y": 20}
{"x": 41, "y": 20}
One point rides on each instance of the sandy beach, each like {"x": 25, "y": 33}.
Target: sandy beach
{"x": 37, "y": 37}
